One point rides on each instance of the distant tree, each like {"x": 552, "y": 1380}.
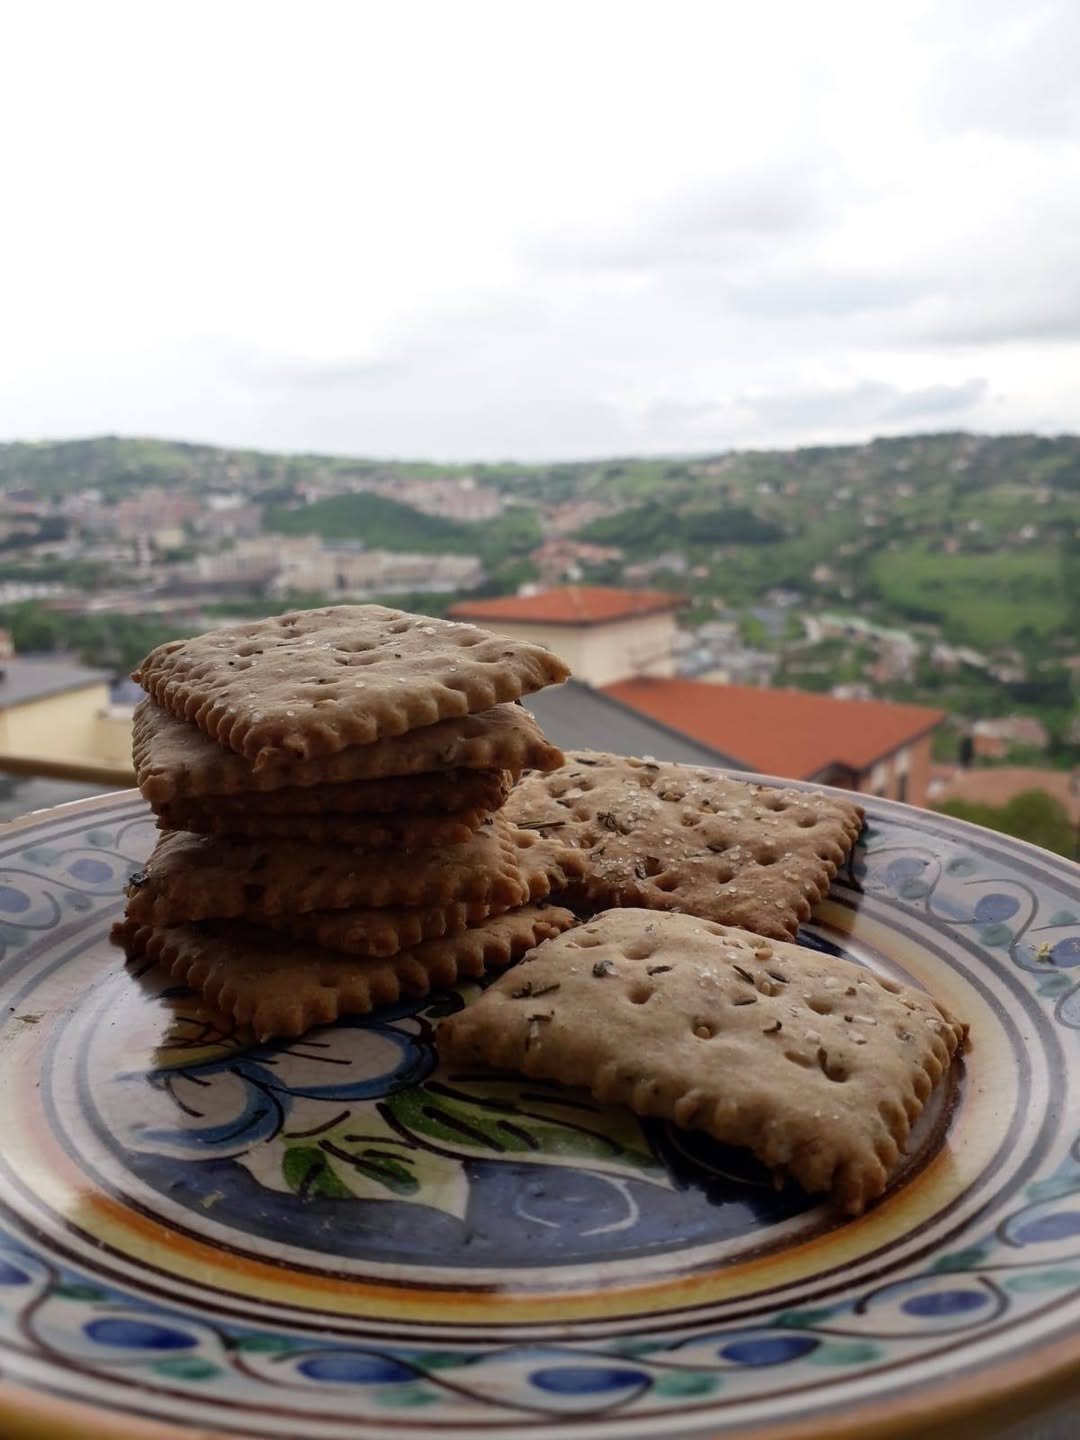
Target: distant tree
{"x": 1034, "y": 816}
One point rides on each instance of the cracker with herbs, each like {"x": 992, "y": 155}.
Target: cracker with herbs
{"x": 311, "y": 683}
{"x": 404, "y": 832}
{"x": 176, "y": 761}
{"x": 675, "y": 837}
{"x": 203, "y": 877}
{"x": 281, "y": 986}
{"x": 816, "y": 1064}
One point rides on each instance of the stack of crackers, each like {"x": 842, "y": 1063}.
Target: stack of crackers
{"x": 330, "y": 786}
{"x": 355, "y": 809}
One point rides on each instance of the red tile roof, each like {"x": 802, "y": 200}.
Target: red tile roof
{"x": 779, "y": 732}
{"x": 998, "y": 784}
{"x": 570, "y": 605}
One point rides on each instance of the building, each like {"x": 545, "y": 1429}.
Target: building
{"x": 623, "y": 643}
{"x": 996, "y": 785}
{"x": 867, "y": 745}
{"x": 603, "y": 633}
{"x": 60, "y": 712}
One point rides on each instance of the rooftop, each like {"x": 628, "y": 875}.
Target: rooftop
{"x": 996, "y": 785}
{"x": 570, "y": 605}
{"x": 577, "y": 717}
{"x": 23, "y": 679}
{"x": 779, "y": 732}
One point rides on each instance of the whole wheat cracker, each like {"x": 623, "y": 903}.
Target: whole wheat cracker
{"x": 816, "y": 1064}
{"x": 382, "y": 932}
{"x": 361, "y": 832}
{"x": 176, "y": 761}
{"x": 283, "y": 987}
{"x": 200, "y": 877}
{"x": 311, "y": 683}
{"x": 441, "y": 792}
{"x": 675, "y": 837}
{"x": 546, "y": 867}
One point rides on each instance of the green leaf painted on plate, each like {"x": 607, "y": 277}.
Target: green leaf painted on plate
{"x": 686, "y": 1382}
{"x": 1063, "y": 917}
{"x": 103, "y": 838}
{"x": 803, "y": 1319}
{"x": 260, "y": 1344}
{"x": 410, "y": 1394}
{"x": 1054, "y": 985}
{"x": 308, "y": 1172}
{"x": 996, "y": 935}
{"x": 523, "y": 1118}
{"x": 1038, "y": 1280}
{"x": 854, "y": 1352}
{"x": 40, "y": 855}
{"x": 1054, "y": 1187}
{"x": 961, "y": 865}
{"x": 960, "y": 1259}
{"x": 78, "y": 1292}
{"x": 187, "y": 1367}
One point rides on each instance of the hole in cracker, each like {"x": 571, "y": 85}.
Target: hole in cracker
{"x": 667, "y": 882}
{"x": 775, "y": 802}
{"x": 798, "y": 1058}
{"x": 832, "y": 1069}
{"x": 467, "y": 641}
{"x": 807, "y": 822}
{"x": 765, "y": 856}
{"x": 819, "y": 1006}
{"x": 586, "y": 939}
{"x": 399, "y": 627}
{"x": 724, "y": 873}
{"x": 640, "y": 994}
{"x": 639, "y": 949}
{"x": 713, "y": 929}
{"x": 703, "y": 1030}
{"x": 890, "y": 985}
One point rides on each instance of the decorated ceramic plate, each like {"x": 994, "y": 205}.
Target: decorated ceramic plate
{"x": 334, "y": 1237}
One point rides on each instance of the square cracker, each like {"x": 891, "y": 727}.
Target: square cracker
{"x": 201, "y": 877}
{"x": 441, "y": 792}
{"x": 816, "y": 1064}
{"x": 361, "y": 832}
{"x": 314, "y": 682}
{"x": 282, "y": 987}
{"x": 547, "y": 869}
{"x": 674, "y": 837}
{"x": 175, "y": 761}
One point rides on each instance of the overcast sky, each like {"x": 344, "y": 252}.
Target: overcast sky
{"x": 536, "y": 229}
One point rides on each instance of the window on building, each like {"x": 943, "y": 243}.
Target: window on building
{"x": 901, "y": 788}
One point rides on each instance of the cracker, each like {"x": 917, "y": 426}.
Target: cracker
{"x": 443, "y": 792}
{"x": 362, "y": 832}
{"x": 817, "y": 1065}
{"x": 176, "y": 761}
{"x": 359, "y": 931}
{"x": 311, "y": 683}
{"x": 201, "y": 877}
{"x": 282, "y": 987}
{"x": 674, "y": 837}
{"x": 546, "y": 868}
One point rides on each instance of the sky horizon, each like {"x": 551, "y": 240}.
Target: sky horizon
{"x": 587, "y": 228}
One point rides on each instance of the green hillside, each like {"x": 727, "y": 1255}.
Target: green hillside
{"x": 987, "y": 599}
{"x": 381, "y": 523}
{"x": 655, "y": 526}
{"x": 386, "y": 524}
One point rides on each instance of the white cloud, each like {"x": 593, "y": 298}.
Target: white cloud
{"x": 487, "y": 230}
